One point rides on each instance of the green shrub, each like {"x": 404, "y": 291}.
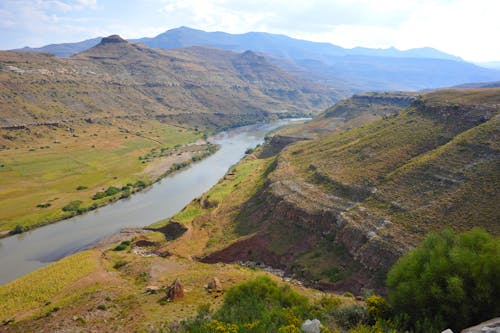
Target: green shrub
{"x": 72, "y": 206}
{"x": 81, "y": 187}
{"x": 448, "y": 281}
{"x": 140, "y": 184}
{"x": 111, "y": 191}
{"x": 122, "y": 246}
{"x": 98, "y": 195}
{"x": 18, "y": 229}
{"x": 350, "y": 316}
{"x": 259, "y": 305}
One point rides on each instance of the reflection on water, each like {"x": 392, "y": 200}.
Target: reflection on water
{"x": 26, "y": 252}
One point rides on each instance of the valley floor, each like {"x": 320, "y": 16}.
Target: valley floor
{"x": 48, "y": 173}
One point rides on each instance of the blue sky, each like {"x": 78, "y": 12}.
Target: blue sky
{"x": 467, "y": 28}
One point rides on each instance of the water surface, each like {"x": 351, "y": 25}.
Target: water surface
{"x": 26, "y": 252}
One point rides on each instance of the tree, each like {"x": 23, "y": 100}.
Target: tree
{"x": 451, "y": 280}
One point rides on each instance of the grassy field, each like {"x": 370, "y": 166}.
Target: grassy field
{"x": 38, "y": 177}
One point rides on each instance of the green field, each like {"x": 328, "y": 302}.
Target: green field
{"x": 43, "y": 167}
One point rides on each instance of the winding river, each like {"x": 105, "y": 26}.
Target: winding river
{"x": 29, "y": 251}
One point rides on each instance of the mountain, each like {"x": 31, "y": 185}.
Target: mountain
{"x": 338, "y": 210}
{"x": 346, "y": 70}
{"x": 358, "y": 69}
{"x": 368, "y": 73}
{"x": 206, "y": 86}
{"x": 495, "y": 84}
{"x": 489, "y": 64}
{"x": 64, "y": 49}
{"x": 279, "y": 45}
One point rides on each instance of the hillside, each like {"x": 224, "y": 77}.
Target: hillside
{"x": 340, "y": 209}
{"x": 346, "y": 70}
{"x": 121, "y": 113}
{"x": 124, "y": 291}
{"x": 117, "y": 78}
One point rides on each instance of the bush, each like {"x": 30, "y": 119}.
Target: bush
{"x": 349, "y": 316}
{"x": 98, "y": 195}
{"x": 140, "y": 184}
{"x": 449, "y": 281}
{"x": 111, "y": 191}
{"x": 19, "y": 229}
{"x": 259, "y": 305}
{"x": 81, "y": 187}
{"x": 72, "y": 206}
{"x": 377, "y": 307}
{"x": 122, "y": 246}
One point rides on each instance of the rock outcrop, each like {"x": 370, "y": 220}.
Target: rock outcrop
{"x": 490, "y": 326}
{"x": 214, "y": 285}
{"x": 311, "y": 326}
{"x": 113, "y": 39}
{"x": 175, "y": 291}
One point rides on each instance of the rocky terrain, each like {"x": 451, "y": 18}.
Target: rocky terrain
{"x": 338, "y": 210}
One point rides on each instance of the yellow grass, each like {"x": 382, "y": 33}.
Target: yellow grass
{"x": 39, "y": 286}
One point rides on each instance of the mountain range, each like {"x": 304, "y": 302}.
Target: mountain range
{"x": 347, "y": 70}
{"x": 119, "y": 78}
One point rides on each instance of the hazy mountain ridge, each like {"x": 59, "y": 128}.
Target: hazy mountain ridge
{"x": 256, "y": 41}
{"x": 347, "y": 70}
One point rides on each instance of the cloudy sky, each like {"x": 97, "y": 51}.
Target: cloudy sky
{"x": 467, "y": 28}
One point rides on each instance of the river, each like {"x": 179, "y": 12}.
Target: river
{"x": 24, "y": 253}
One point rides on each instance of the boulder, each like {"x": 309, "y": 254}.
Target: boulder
{"x": 175, "y": 291}
{"x": 214, "y": 285}
{"x": 152, "y": 289}
{"x": 311, "y": 326}
{"x": 490, "y": 326}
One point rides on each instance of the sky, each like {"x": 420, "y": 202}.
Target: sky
{"x": 467, "y": 28}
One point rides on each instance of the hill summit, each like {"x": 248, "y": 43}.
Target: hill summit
{"x": 113, "y": 39}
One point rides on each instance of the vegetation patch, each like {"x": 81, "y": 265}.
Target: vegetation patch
{"x": 39, "y": 286}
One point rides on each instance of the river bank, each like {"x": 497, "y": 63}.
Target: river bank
{"x": 23, "y": 253}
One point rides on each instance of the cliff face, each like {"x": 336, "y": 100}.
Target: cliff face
{"x": 338, "y": 211}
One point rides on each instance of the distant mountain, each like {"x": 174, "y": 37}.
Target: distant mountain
{"x": 346, "y": 70}
{"x": 201, "y": 86}
{"x": 65, "y": 49}
{"x": 480, "y": 85}
{"x": 489, "y": 64}
{"x": 279, "y": 45}
{"x": 350, "y": 70}
{"x": 366, "y": 73}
